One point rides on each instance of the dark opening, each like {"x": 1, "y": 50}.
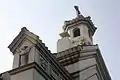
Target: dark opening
{"x": 76, "y": 32}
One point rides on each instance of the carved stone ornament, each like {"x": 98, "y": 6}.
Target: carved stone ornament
{"x": 23, "y": 55}
{"x": 82, "y": 41}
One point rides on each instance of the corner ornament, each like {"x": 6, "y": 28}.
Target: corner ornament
{"x": 82, "y": 42}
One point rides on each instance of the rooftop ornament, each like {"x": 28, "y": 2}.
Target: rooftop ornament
{"x": 77, "y": 10}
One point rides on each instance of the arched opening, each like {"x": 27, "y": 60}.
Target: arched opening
{"x": 76, "y": 32}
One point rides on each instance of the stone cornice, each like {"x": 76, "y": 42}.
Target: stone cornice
{"x": 78, "y": 20}
{"x": 71, "y": 57}
{"x": 27, "y": 67}
{"x": 23, "y": 68}
{"x": 53, "y": 61}
{"x": 32, "y": 66}
{"x": 102, "y": 65}
{"x": 75, "y": 49}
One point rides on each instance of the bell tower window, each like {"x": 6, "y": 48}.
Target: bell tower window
{"x": 76, "y": 32}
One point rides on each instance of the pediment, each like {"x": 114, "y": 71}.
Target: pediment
{"x": 24, "y": 44}
{"x": 25, "y": 37}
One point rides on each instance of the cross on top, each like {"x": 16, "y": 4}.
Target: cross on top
{"x": 77, "y": 10}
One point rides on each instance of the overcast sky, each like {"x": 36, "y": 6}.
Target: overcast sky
{"x": 46, "y": 17}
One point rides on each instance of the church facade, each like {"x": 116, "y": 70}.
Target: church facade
{"x": 77, "y": 58}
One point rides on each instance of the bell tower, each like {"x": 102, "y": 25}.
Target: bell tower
{"x": 78, "y": 31}
{"x": 76, "y": 51}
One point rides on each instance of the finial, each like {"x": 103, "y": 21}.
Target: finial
{"x": 77, "y": 10}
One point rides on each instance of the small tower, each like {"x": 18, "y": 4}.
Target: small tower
{"x": 33, "y": 60}
{"x": 77, "y": 53}
{"x": 78, "y": 31}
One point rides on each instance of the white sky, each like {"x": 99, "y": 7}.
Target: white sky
{"x": 46, "y": 17}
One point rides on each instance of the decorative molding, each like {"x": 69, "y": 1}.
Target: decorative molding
{"x": 78, "y": 20}
{"x": 69, "y": 58}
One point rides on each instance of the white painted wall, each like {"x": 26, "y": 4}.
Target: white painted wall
{"x": 94, "y": 78}
{"x": 83, "y": 33}
{"x": 17, "y": 54}
{"x": 38, "y": 76}
{"x": 83, "y": 30}
{"x": 82, "y": 64}
{"x": 88, "y": 73}
{"x": 24, "y": 75}
{"x": 30, "y": 74}
{"x": 64, "y": 44}
{"x": 69, "y": 42}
